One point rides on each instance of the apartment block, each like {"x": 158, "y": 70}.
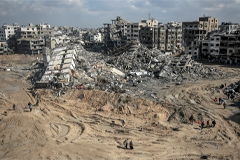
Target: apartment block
{"x": 228, "y": 27}
{"x": 194, "y": 32}
{"x": 230, "y": 45}
{"x": 222, "y": 46}
{"x": 6, "y": 31}
{"x": 97, "y": 37}
{"x": 3, "y": 48}
{"x": 162, "y": 30}
{"x": 27, "y": 32}
{"x": 133, "y": 31}
{"x": 211, "y": 46}
{"x": 174, "y": 38}
{"x": 149, "y": 36}
{"x": 170, "y": 37}
{"x": 30, "y": 45}
{"x": 115, "y": 33}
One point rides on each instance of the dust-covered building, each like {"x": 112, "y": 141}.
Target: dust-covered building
{"x": 194, "y": 32}
{"x": 222, "y": 46}
{"x": 30, "y": 45}
{"x": 115, "y": 33}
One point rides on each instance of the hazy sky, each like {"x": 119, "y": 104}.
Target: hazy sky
{"x": 93, "y": 13}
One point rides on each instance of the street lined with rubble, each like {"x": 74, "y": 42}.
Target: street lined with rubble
{"x": 144, "y": 97}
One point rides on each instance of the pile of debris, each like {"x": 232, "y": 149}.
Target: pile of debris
{"x": 140, "y": 61}
{"x": 232, "y": 91}
{"x": 122, "y": 72}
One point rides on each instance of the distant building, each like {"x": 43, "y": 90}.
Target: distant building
{"x": 6, "y": 31}
{"x": 3, "y": 48}
{"x": 133, "y": 31}
{"x": 149, "y": 36}
{"x": 30, "y": 45}
{"x": 152, "y": 34}
{"x": 223, "y": 45}
{"x": 174, "y": 37}
{"x": 228, "y": 27}
{"x": 115, "y": 33}
{"x": 95, "y": 37}
{"x": 211, "y": 46}
{"x": 194, "y": 32}
{"x": 162, "y": 42}
{"x": 27, "y": 32}
{"x": 134, "y": 28}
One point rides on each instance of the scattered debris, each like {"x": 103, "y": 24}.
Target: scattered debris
{"x": 126, "y": 71}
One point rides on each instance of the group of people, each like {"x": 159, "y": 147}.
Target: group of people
{"x": 191, "y": 119}
{"x": 208, "y": 124}
{"x": 221, "y": 101}
{"x": 29, "y": 105}
{"x": 125, "y": 143}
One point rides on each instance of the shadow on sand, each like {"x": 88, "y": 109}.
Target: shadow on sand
{"x": 120, "y": 147}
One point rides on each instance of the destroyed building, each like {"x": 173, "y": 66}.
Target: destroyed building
{"x": 7, "y": 34}
{"x": 133, "y": 29}
{"x": 30, "y": 45}
{"x": 211, "y": 46}
{"x": 128, "y": 70}
{"x": 29, "y": 31}
{"x": 222, "y": 46}
{"x": 162, "y": 37}
{"x": 6, "y": 31}
{"x": 115, "y": 33}
{"x": 4, "y": 48}
{"x": 59, "y": 67}
{"x": 149, "y": 33}
{"x": 167, "y": 38}
{"x": 194, "y": 32}
{"x": 170, "y": 37}
{"x": 228, "y": 27}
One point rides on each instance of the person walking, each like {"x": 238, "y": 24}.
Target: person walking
{"x": 191, "y": 119}
{"x": 30, "y": 106}
{"x": 207, "y": 123}
{"x": 213, "y": 123}
{"x": 125, "y": 143}
{"x": 216, "y": 99}
{"x": 202, "y": 125}
{"x": 131, "y": 144}
{"x": 224, "y": 104}
{"x": 14, "y": 106}
{"x": 37, "y": 103}
{"x": 220, "y": 100}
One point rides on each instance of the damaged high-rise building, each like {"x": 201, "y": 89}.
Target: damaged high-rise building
{"x": 170, "y": 37}
{"x": 149, "y": 33}
{"x": 115, "y": 33}
{"x": 223, "y": 45}
{"x": 195, "y": 31}
{"x": 167, "y": 38}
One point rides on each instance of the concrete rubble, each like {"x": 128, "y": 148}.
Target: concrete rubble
{"x": 130, "y": 69}
{"x": 233, "y": 90}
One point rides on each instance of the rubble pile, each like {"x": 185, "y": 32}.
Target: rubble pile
{"x": 93, "y": 72}
{"x": 140, "y": 61}
{"x": 233, "y": 90}
{"x": 137, "y": 57}
{"x": 123, "y": 71}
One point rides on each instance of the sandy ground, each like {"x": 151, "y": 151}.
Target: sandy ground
{"x": 78, "y": 124}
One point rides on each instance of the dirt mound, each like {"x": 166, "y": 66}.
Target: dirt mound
{"x": 119, "y": 104}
